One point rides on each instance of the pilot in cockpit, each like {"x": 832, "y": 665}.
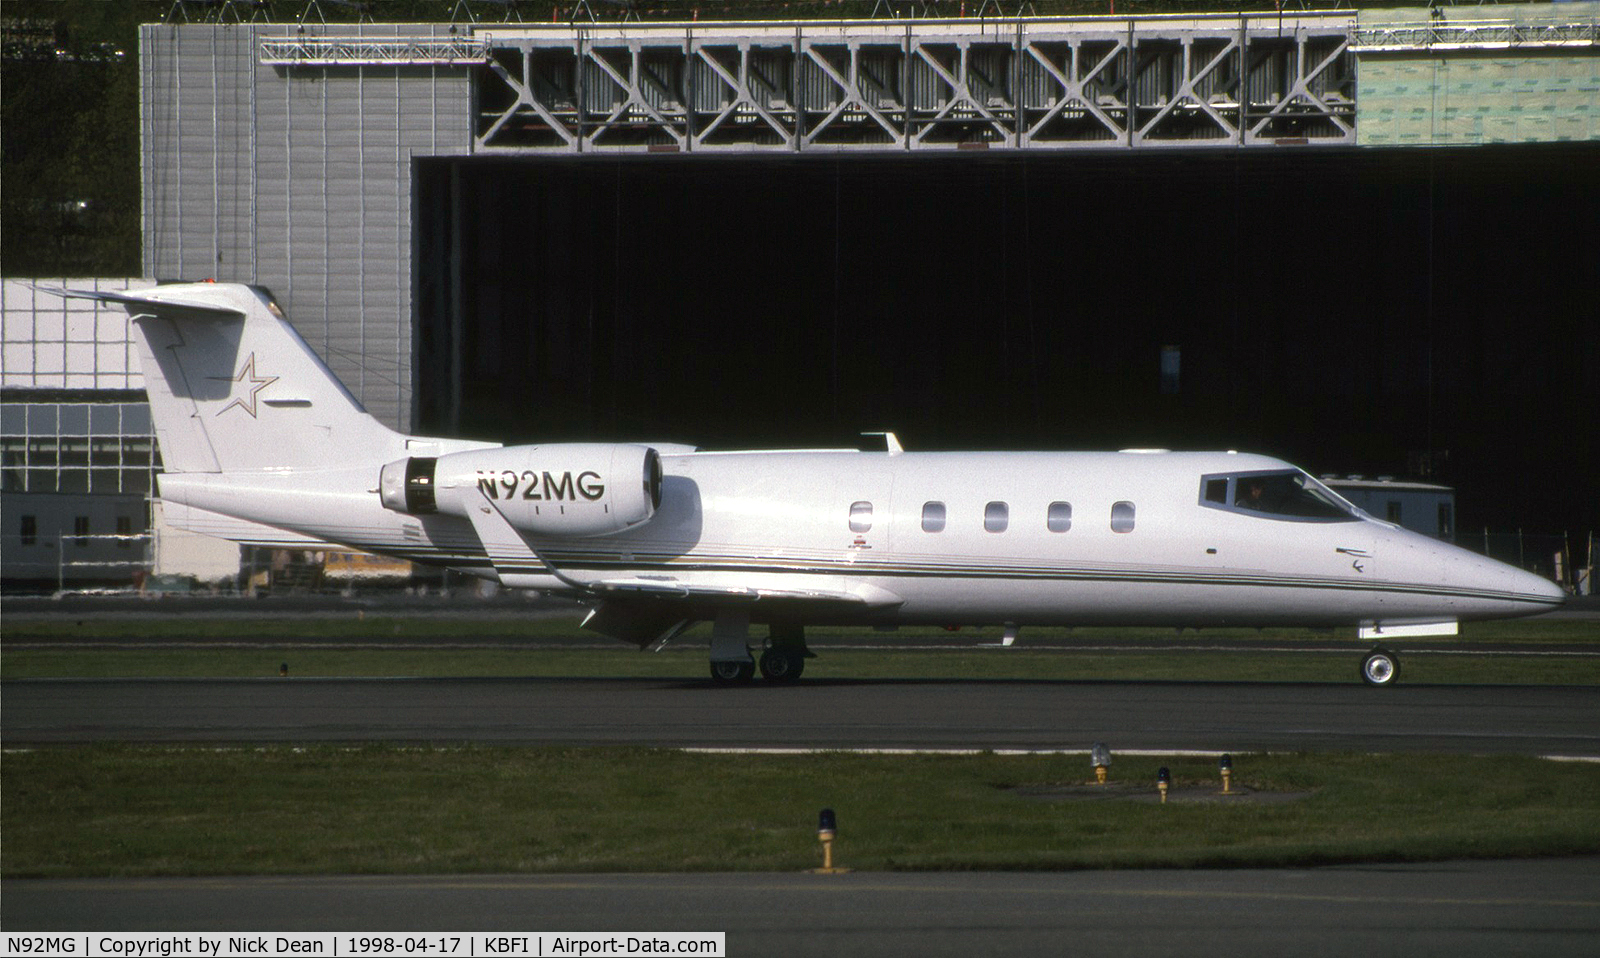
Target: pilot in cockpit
{"x": 1253, "y": 495}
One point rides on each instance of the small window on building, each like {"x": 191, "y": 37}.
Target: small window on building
{"x": 860, "y": 516}
{"x": 1171, "y": 364}
{"x": 1059, "y": 519}
{"x": 1394, "y": 511}
{"x": 1217, "y": 491}
{"x": 80, "y": 530}
{"x": 30, "y": 530}
{"x": 996, "y": 515}
{"x": 933, "y": 517}
{"x": 1446, "y": 522}
{"x": 1122, "y": 517}
{"x": 124, "y": 531}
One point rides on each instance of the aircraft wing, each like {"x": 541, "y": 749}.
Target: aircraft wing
{"x": 731, "y": 590}
{"x": 650, "y": 611}
{"x": 646, "y": 608}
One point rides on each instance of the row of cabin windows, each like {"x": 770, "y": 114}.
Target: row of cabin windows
{"x": 996, "y": 517}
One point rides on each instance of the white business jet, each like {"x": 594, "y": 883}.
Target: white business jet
{"x": 262, "y": 445}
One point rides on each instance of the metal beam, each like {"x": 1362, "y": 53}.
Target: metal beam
{"x": 1022, "y": 83}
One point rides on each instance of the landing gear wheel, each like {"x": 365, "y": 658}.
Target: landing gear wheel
{"x": 1380, "y": 667}
{"x": 782, "y": 665}
{"x": 733, "y": 673}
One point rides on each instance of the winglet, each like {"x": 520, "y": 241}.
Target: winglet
{"x": 514, "y": 561}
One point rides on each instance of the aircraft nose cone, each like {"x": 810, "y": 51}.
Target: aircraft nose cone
{"x": 1538, "y": 585}
{"x": 1514, "y": 590}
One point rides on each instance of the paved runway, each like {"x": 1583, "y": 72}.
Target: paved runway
{"x": 1546, "y": 908}
{"x": 1454, "y": 909}
{"x": 979, "y": 714}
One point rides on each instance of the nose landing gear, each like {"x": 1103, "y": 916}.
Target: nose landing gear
{"x": 1380, "y": 667}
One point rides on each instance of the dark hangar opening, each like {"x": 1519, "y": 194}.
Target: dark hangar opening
{"x": 1412, "y": 312}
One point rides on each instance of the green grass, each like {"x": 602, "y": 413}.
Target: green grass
{"x": 508, "y": 645}
{"x": 689, "y": 662}
{"x": 114, "y": 811}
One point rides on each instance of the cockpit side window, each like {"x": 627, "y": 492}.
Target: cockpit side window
{"x": 1292, "y": 496}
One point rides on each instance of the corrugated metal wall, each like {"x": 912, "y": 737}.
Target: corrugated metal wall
{"x": 299, "y": 180}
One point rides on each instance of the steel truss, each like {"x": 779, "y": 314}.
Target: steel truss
{"x": 374, "y": 50}
{"x": 1034, "y": 83}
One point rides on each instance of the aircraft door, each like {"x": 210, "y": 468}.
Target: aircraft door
{"x": 864, "y": 505}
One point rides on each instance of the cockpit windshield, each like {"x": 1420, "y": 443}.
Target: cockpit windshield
{"x": 1290, "y": 495}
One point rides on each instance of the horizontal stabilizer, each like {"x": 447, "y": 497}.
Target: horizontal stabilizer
{"x": 154, "y": 298}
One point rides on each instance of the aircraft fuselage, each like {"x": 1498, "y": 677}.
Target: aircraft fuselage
{"x": 944, "y": 538}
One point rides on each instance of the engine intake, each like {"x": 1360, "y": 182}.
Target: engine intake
{"x": 561, "y": 489}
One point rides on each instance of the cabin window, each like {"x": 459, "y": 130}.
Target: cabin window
{"x": 860, "y": 516}
{"x": 1289, "y": 495}
{"x": 933, "y": 517}
{"x": 996, "y": 515}
{"x": 1059, "y": 518}
{"x": 1122, "y": 517}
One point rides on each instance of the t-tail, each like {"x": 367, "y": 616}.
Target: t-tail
{"x": 233, "y": 387}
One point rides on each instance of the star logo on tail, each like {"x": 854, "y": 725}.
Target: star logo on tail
{"x": 247, "y": 378}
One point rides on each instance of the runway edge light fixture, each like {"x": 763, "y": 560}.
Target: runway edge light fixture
{"x": 827, "y": 827}
{"x": 1100, "y": 758}
{"x": 1163, "y": 782}
{"x": 1225, "y": 765}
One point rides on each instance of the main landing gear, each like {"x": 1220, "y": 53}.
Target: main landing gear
{"x": 781, "y": 663}
{"x": 733, "y": 673}
{"x": 786, "y": 653}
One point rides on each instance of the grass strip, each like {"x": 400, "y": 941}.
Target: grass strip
{"x": 133, "y": 810}
{"x": 690, "y": 663}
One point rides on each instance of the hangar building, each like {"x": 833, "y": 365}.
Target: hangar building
{"x": 1192, "y": 232}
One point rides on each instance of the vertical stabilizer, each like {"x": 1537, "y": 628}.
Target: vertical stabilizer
{"x": 234, "y": 388}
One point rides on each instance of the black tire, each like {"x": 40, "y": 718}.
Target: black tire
{"x": 782, "y": 665}
{"x": 732, "y": 673}
{"x": 1380, "y": 667}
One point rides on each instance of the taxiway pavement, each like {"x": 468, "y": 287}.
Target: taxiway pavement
{"x": 1548, "y": 908}
{"x": 909, "y": 714}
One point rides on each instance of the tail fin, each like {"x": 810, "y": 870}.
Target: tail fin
{"x": 233, "y": 387}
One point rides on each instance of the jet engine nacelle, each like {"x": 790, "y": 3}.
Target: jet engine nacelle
{"x": 561, "y": 489}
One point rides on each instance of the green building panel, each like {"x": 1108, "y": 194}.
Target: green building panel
{"x": 1454, "y": 93}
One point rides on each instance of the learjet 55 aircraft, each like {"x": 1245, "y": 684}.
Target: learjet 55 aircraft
{"x": 261, "y": 444}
